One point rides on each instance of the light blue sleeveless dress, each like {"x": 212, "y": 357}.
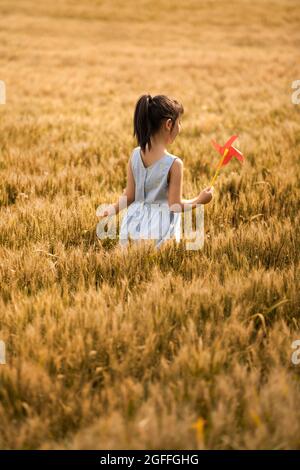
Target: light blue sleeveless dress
{"x": 149, "y": 216}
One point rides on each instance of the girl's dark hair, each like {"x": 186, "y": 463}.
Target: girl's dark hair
{"x": 148, "y": 116}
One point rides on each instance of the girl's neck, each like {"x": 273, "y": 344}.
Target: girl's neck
{"x": 157, "y": 150}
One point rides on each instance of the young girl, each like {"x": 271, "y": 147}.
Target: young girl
{"x": 154, "y": 176}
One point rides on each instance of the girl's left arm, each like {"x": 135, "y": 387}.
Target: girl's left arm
{"x": 128, "y": 195}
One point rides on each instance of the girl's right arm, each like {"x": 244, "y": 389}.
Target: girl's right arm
{"x": 175, "y": 200}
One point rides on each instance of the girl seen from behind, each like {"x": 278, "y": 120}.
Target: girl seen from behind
{"x": 153, "y": 194}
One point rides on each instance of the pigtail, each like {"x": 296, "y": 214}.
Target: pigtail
{"x": 141, "y": 122}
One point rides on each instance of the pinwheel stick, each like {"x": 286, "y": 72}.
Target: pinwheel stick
{"x": 219, "y": 166}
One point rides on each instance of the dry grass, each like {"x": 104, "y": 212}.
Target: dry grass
{"x": 114, "y": 350}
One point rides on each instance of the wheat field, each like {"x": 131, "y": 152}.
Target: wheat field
{"x": 147, "y": 349}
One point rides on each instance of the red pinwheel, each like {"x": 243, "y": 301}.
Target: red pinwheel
{"x": 227, "y": 151}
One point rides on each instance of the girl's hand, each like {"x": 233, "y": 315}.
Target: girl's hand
{"x": 105, "y": 212}
{"x": 206, "y": 195}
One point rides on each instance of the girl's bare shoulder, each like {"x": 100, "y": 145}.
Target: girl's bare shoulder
{"x": 176, "y": 167}
{"x": 177, "y": 162}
